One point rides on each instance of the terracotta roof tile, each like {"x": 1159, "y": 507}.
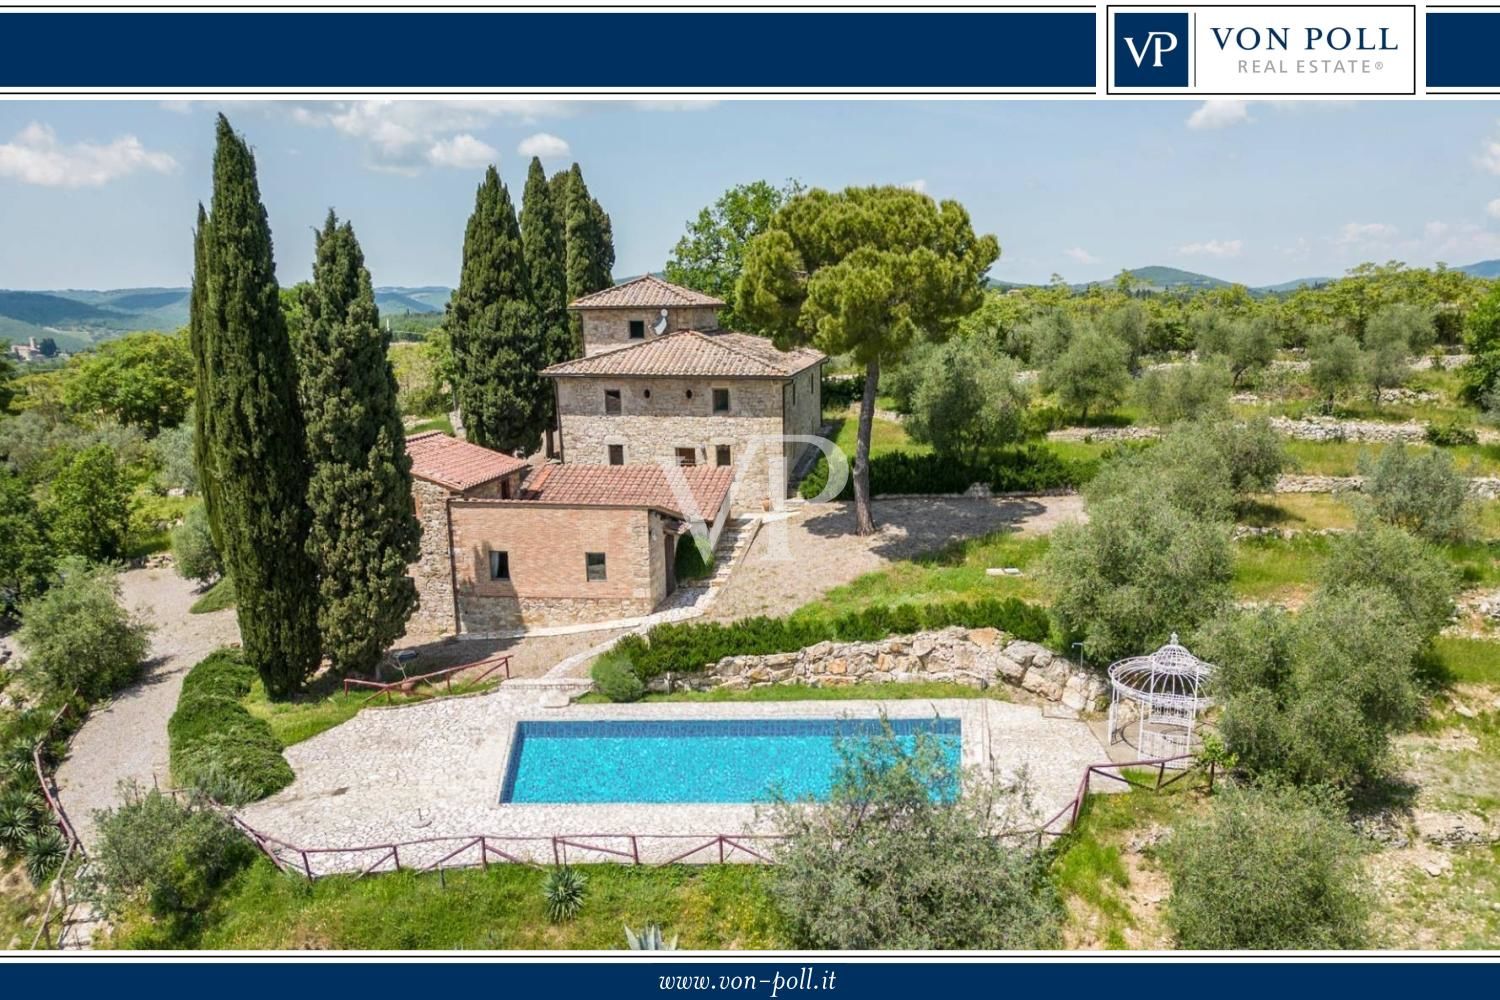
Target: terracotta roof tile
{"x": 646, "y": 292}
{"x": 695, "y": 353}
{"x": 455, "y": 464}
{"x": 631, "y": 486}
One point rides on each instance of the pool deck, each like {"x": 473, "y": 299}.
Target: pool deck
{"x": 433, "y": 771}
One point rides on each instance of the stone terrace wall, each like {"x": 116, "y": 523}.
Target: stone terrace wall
{"x": 975, "y": 657}
{"x": 1480, "y": 487}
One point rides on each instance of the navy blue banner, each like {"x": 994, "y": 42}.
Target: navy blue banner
{"x": 699, "y": 51}
{"x": 749, "y": 977}
{"x": 1461, "y": 49}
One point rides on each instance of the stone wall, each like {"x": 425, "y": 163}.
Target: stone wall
{"x": 433, "y": 570}
{"x": 1480, "y": 487}
{"x": 609, "y": 329}
{"x": 802, "y": 402}
{"x": 1364, "y": 431}
{"x": 546, "y": 546}
{"x": 658, "y": 416}
{"x": 974, "y": 657}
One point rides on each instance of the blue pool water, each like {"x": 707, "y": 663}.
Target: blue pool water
{"x": 725, "y": 760}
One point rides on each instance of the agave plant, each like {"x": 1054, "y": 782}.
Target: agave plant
{"x": 17, "y": 757}
{"x": 44, "y": 850}
{"x": 564, "y": 888}
{"x": 649, "y": 939}
{"x": 16, "y": 824}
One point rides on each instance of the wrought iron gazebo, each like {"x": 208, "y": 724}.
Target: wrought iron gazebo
{"x": 1162, "y": 695}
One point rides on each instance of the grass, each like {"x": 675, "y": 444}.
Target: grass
{"x": 914, "y": 691}
{"x": 1301, "y": 511}
{"x": 439, "y": 423}
{"x": 709, "y": 906}
{"x": 886, "y": 436}
{"x": 215, "y": 598}
{"x": 1341, "y": 458}
{"x": 1468, "y": 661}
{"x": 1277, "y": 569}
{"x": 151, "y": 520}
{"x": 326, "y": 705}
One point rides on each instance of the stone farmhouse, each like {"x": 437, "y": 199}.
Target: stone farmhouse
{"x": 660, "y": 382}
{"x": 666, "y": 424}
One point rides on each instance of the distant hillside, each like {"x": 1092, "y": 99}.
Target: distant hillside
{"x": 78, "y": 317}
{"x": 1158, "y": 276}
{"x": 1483, "y": 269}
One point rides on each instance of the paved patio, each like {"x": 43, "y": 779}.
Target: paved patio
{"x": 433, "y": 772}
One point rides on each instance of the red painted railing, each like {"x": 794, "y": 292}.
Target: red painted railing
{"x": 1115, "y": 772}
{"x": 446, "y": 675}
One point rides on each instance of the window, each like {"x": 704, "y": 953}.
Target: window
{"x": 617, "y": 454}
{"x": 721, "y": 455}
{"x": 637, "y": 329}
{"x": 499, "y": 565}
{"x": 612, "y": 402}
{"x": 593, "y": 566}
{"x": 506, "y": 493}
{"x": 794, "y": 392}
{"x": 687, "y": 456}
{"x": 721, "y": 400}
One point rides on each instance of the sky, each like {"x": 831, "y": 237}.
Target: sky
{"x": 102, "y": 194}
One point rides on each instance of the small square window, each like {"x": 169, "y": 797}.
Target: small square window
{"x": 721, "y": 400}
{"x": 499, "y": 565}
{"x": 593, "y": 566}
{"x": 637, "y": 329}
{"x": 617, "y": 454}
{"x": 687, "y": 457}
{"x": 612, "y": 402}
{"x": 721, "y": 455}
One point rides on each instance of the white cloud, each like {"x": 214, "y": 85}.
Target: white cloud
{"x": 1212, "y": 248}
{"x": 1365, "y": 233}
{"x": 1219, "y": 114}
{"x": 34, "y": 156}
{"x": 919, "y": 185}
{"x": 545, "y": 145}
{"x": 1493, "y": 209}
{"x": 1081, "y": 255}
{"x": 462, "y": 151}
{"x": 1489, "y": 156}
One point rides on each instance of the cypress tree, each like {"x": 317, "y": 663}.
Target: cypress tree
{"x": 256, "y": 447}
{"x": 495, "y": 328}
{"x": 546, "y": 263}
{"x": 363, "y": 533}
{"x": 589, "y": 241}
{"x": 202, "y": 414}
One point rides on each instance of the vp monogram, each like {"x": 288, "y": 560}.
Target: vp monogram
{"x": 1157, "y": 44}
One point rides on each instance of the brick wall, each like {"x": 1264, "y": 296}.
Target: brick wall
{"x": 548, "y": 582}
{"x": 608, "y": 329}
{"x": 433, "y": 571}
{"x": 652, "y": 427}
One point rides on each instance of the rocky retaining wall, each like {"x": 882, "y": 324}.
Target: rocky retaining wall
{"x": 1480, "y": 488}
{"x": 973, "y": 657}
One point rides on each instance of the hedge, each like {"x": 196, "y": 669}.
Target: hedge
{"x": 1030, "y": 468}
{"x": 216, "y": 745}
{"x": 842, "y": 391}
{"x": 690, "y": 647}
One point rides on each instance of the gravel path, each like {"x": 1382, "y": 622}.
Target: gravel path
{"x": 126, "y": 739}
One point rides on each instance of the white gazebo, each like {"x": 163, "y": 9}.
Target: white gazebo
{"x": 1161, "y": 695}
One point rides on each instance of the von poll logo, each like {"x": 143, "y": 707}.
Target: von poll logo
{"x": 1151, "y": 50}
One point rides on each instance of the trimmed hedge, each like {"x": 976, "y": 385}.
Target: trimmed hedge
{"x": 216, "y": 745}
{"x": 1029, "y": 468}
{"x": 842, "y": 391}
{"x": 690, "y": 647}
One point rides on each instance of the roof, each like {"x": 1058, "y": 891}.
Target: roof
{"x": 632, "y": 486}
{"x": 695, "y": 352}
{"x": 455, "y": 464}
{"x": 646, "y": 292}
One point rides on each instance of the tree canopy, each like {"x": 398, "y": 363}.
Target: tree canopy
{"x": 711, "y": 253}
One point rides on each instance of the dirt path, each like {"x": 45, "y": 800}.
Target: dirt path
{"x": 126, "y": 739}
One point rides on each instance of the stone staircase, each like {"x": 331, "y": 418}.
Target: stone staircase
{"x": 734, "y": 541}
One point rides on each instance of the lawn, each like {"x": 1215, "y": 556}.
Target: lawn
{"x": 1341, "y": 458}
{"x": 442, "y": 423}
{"x": 1298, "y": 511}
{"x": 1468, "y": 661}
{"x": 709, "y": 906}
{"x": 215, "y": 598}
{"x": 914, "y": 691}
{"x": 325, "y": 705}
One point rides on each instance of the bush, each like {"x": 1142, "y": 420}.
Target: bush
{"x": 175, "y": 466}
{"x": 564, "y": 889}
{"x": 689, "y": 647}
{"x": 1419, "y": 489}
{"x": 1451, "y": 435}
{"x": 77, "y": 636}
{"x": 216, "y": 746}
{"x": 894, "y": 860}
{"x": 1032, "y": 468}
{"x": 615, "y": 678}
{"x": 193, "y": 548}
{"x": 169, "y": 855}
{"x": 695, "y": 560}
{"x": 842, "y": 391}
{"x": 1268, "y": 868}
{"x": 1184, "y": 392}
{"x": 966, "y": 399}
{"x": 88, "y": 505}
{"x": 1384, "y": 557}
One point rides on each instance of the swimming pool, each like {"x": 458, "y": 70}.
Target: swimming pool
{"x": 681, "y": 761}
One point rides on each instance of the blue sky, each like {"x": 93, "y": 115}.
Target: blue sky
{"x": 103, "y": 194}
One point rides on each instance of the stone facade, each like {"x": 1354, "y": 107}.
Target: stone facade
{"x": 974, "y": 657}
{"x": 545, "y": 546}
{"x": 433, "y": 570}
{"x": 609, "y": 329}
{"x": 659, "y": 416}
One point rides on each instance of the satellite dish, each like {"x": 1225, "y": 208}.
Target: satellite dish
{"x": 661, "y": 324}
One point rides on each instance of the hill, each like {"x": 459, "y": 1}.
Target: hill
{"x": 1482, "y": 269}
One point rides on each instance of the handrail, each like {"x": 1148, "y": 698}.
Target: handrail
{"x": 1074, "y": 807}
{"x": 447, "y": 675}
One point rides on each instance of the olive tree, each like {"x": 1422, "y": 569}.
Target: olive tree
{"x": 1244, "y": 346}
{"x": 966, "y": 399}
{"x": 1184, "y": 392}
{"x": 78, "y": 636}
{"x": 1412, "y": 571}
{"x": 1419, "y": 489}
{"x": 1091, "y": 373}
{"x": 1334, "y": 361}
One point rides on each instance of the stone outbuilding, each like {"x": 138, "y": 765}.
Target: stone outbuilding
{"x": 660, "y": 383}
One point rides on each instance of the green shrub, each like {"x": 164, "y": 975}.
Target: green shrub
{"x": 193, "y": 547}
{"x": 1268, "y": 868}
{"x": 695, "y": 561}
{"x": 615, "y": 678}
{"x": 43, "y": 851}
{"x": 216, "y": 746}
{"x": 1419, "y": 489}
{"x": 564, "y": 888}
{"x": 1451, "y": 435}
{"x": 1031, "y": 468}
{"x": 77, "y": 635}
{"x": 841, "y": 391}
{"x": 1412, "y": 571}
{"x": 168, "y": 854}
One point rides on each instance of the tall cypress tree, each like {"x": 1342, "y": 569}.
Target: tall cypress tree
{"x": 495, "y": 328}
{"x": 256, "y": 447}
{"x": 546, "y": 263}
{"x": 363, "y": 533}
{"x": 588, "y": 238}
{"x": 202, "y": 414}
